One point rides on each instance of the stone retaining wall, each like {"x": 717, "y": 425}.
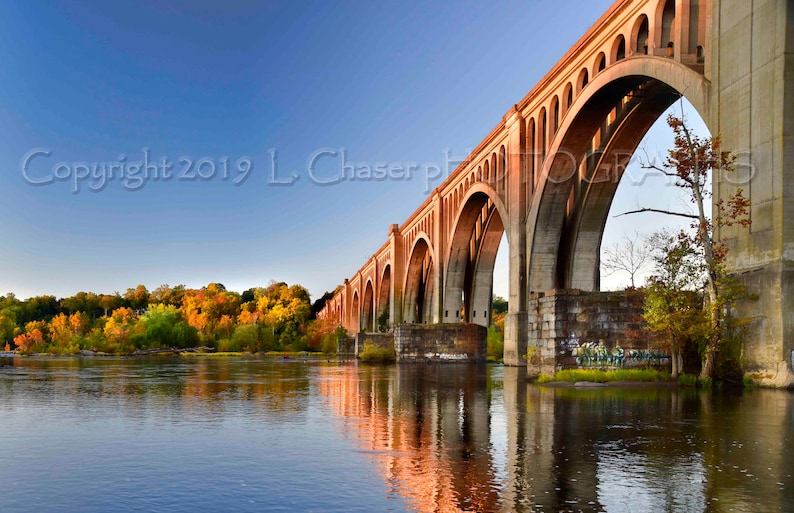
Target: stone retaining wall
{"x": 561, "y": 321}
{"x": 440, "y": 342}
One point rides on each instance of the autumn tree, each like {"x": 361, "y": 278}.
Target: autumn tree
{"x": 212, "y": 310}
{"x": 137, "y": 298}
{"x": 67, "y": 330}
{"x": 118, "y": 328}
{"x": 286, "y": 309}
{"x": 167, "y": 295}
{"x": 34, "y": 338}
{"x": 691, "y": 162}
{"x": 109, "y": 302}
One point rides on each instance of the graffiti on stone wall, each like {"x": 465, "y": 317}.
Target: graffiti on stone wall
{"x": 591, "y": 354}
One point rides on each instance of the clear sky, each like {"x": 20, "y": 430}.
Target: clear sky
{"x": 209, "y": 94}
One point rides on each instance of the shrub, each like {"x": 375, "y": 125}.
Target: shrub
{"x": 496, "y": 344}
{"x": 372, "y": 353}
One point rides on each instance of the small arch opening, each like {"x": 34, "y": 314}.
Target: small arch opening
{"x": 641, "y": 41}
{"x": 619, "y": 49}
{"x": 667, "y": 22}
{"x": 584, "y": 77}
{"x": 601, "y": 63}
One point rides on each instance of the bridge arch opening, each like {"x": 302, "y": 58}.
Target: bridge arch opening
{"x": 472, "y": 257}
{"x": 644, "y": 188}
{"x": 579, "y": 179}
{"x": 619, "y": 48}
{"x": 368, "y": 307}
{"x": 666, "y": 17}
{"x": 640, "y": 35}
{"x": 419, "y": 284}
{"x": 384, "y": 300}
{"x": 355, "y": 313}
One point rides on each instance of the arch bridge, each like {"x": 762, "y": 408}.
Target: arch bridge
{"x": 546, "y": 174}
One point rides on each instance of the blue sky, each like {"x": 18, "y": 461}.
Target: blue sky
{"x": 227, "y": 84}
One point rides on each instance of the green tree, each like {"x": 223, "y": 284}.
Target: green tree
{"x": 164, "y": 326}
{"x": 498, "y": 306}
{"x": 672, "y": 308}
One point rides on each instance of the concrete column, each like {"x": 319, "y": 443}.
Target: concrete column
{"x": 753, "y": 109}
{"x": 439, "y": 260}
{"x": 681, "y": 30}
{"x": 515, "y": 226}
{"x": 397, "y": 274}
{"x": 346, "y": 306}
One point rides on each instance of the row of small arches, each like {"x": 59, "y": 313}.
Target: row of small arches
{"x": 540, "y": 129}
{"x": 492, "y": 171}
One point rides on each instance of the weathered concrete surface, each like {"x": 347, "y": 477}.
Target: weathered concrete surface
{"x": 440, "y": 342}
{"x": 752, "y": 76}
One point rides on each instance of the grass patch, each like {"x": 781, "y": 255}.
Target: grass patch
{"x": 218, "y": 353}
{"x": 605, "y": 376}
{"x": 692, "y": 381}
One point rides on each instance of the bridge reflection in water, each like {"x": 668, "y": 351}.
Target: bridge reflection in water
{"x": 452, "y": 438}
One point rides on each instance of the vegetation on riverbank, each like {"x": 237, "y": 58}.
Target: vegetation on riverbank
{"x": 277, "y": 318}
{"x": 605, "y": 376}
{"x": 372, "y": 353}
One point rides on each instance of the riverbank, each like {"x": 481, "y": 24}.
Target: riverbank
{"x": 193, "y": 351}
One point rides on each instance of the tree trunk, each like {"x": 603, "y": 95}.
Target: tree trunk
{"x": 709, "y": 362}
{"x": 674, "y": 360}
{"x": 677, "y": 359}
{"x": 710, "y": 358}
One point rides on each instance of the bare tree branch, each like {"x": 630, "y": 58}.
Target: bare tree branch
{"x": 659, "y": 211}
{"x": 629, "y": 257}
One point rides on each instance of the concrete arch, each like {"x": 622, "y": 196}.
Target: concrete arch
{"x": 368, "y": 308}
{"x": 663, "y": 79}
{"x": 471, "y": 258}
{"x": 355, "y": 313}
{"x": 419, "y": 290}
{"x": 384, "y": 297}
{"x": 488, "y": 190}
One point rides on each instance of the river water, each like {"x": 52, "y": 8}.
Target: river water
{"x": 194, "y": 434}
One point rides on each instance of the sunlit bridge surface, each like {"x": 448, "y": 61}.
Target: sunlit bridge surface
{"x": 218, "y": 434}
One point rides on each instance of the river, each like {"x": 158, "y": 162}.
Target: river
{"x": 215, "y": 434}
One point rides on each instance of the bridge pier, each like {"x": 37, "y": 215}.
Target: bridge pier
{"x": 516, "y": 338}
{"x": 753, "y": 109}
{"x": 451, "y": 342}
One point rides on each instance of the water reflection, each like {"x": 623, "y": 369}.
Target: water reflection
{"x": 461, "y": 438}
{"x": 442, "y": 438}
{"x": 169, "y": 388}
